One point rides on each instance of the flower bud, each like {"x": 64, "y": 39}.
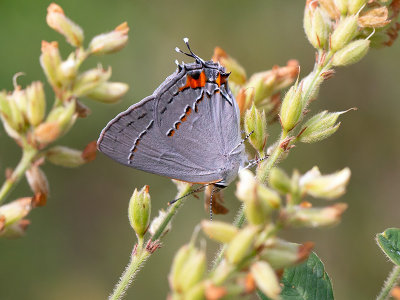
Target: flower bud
{"x": 38, "y": 182}
{"x": 355, "y": 5}
{"x": 188, "y": 268}
{"x": 65, "y": 157}
{"x": 282, "y": 254}
{"x": 341, "y": 5}
{"x": 15, "y": 210}
{"x": 255, "y": 121}
{"x": 351, "y": 53}
{"x": 238, "y": 73}
{"x": 89, "y": 80}
{"x": 292, "y": 107}
{"x": 316, "y": 217}
{"x": 321, "y": 27}
{"x": 266, "y": 279}
{"x": 180, "y": 259}
{"x": 241, "y": 244}
{"x": 344, "y": 32}
{"x": 330, "y": 186}
{"x": 320, "y": 127}
{"x": 68, "y": 68}
{"x": 15, "y": 230}
{"x": 374, "y": 18}
{"x": 108, "y": 92}
{"x": 139, "y": 211}
{"x": 11, "y": 115}
{"x": 58, "y": 122}
{"x": 329, "y": 7}
{"x": 219, "y": 231}
{"x": 310, "y": 88}
{"x": 196, "y": 293}
{"x": 50, "y": 61}
{"x": 279, "y": 180}
{"x": 36, "y": 103}
{"x": 21, "y": 100}
{"x": 156, "y": 223}
{"x": 110, "y": 42}
{"x": 57, "y": 20}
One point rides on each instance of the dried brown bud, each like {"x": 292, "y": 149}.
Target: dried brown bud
{"x": 376, "y": 17}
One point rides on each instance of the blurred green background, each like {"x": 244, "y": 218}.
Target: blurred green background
{"x": 78, "y": 245}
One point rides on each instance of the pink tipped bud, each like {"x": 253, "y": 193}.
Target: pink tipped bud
{"x": 110, "y": 42}
{"x": 57, "y": 20}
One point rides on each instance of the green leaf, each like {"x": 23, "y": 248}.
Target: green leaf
{"x": 307, "y": 281}
{"x": 389, "y": 241}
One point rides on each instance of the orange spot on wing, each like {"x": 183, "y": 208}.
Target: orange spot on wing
{"x": 220, "y": 80}
{"x": 171, "y": 133}
{"x": 184, "y": 118}
{"x": 177, "y": 125}
{"x": 194, "y": 83}
{"x": 189, "y": 111}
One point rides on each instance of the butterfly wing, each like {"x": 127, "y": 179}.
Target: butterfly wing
{"x": 177, "y": 132}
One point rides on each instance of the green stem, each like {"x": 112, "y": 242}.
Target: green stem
{"x": 137, "y": 259}
{"x": 141, "y": 254}
{"x": 28, "y": 154}
{"x": 390, "y": 282}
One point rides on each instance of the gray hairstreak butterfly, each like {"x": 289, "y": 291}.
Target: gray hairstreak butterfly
{"x": 188, "y": 129}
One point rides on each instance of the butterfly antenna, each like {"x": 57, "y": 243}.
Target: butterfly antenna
{"x": 188, "y": 194}
{"x": 255, "y": 161}
{"x": 211, "y": 197}
{"x": 242, "y": 142}
{"x": 191, "y": 54}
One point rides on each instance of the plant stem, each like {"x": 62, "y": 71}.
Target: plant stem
{"x": 137, "y": 259}
{"x": 390, "y": 282}
{"x": 28, "y": 153}
{"x": 140, "y": 254}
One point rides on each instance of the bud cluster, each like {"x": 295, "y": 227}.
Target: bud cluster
{"x": 23, "y": 110}
{"x": 255, "y": 252}
{"x": 261, "y": 89}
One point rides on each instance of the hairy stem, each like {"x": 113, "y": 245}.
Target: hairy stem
{"x": 390, "y": 282}
{"x": 140, "y": 254}
{"x": 28, "y": 154}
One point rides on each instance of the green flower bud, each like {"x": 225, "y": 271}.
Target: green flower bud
{"x": 36, "y": 103}
{"x": 12, "y": 116}
{"x": 238, "y": 73}
{"x": 310, "y": 88}
{"x": 269, "y": 197}
{"x": 15, "y": 210}
{"x": 279, "y": 180}
{"x": 281, "y": 254}
{"x": 219, "y": 231}
{"x": 321, "y": 27}
{"x": 266, "y": 279}
{"x": 89, "y": 80}
{"x": 255, "y": 121}
{"x": 292, "y": 108}
{"x": 21, "y": 100}
{"x": 344, "y": 32}
{"x": 241, "y": 244}
{"x": 316, "y": 217}
{"x": 139, "y": 211}
{"x": 57, "y": 20}
{"x": 320, "y": 127}
{"x": 50, "y": 61}
{"x": 110, "y": 42}
{"x": 178, "y": 262}
{"x": 68, "y": 69}
{"x": 196, "y": 293}
{"x": 341, "y": 5}
{"x": 65, "y": 157}
{"x": 330, "y": 186}
{"x": 108, "y": 92}
{"x": 192, "y": 271}
{"x": 355, "y": 5}
{"x": 351, "y": 53}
